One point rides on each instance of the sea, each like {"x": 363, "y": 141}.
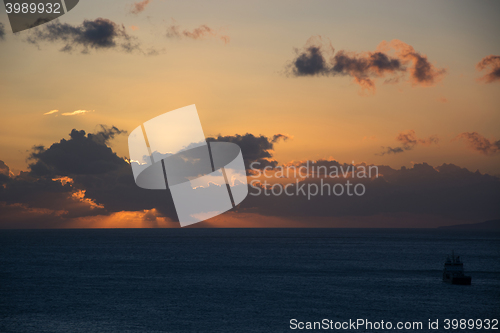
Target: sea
{"x": 245, "y": 280}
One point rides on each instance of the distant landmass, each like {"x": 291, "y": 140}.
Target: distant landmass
{"x": 487, "y": 225}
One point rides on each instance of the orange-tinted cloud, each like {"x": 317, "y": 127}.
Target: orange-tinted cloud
{"x": 63, "y": 180}
{"x": 408, "y": 140}
{"x": 138, "y": 7}
{"x": 73, "y": 113}
{"x": 422, "y": 72}
{"x": 479, "y": 143}
{"x": 77, "y": 112}
{"x": 79, "y": 195}
{"x": 390, "y": 61}
{"x": 492, "y": 63}
{"x": 148, "y": 218}
{"x": 202, "y": 32}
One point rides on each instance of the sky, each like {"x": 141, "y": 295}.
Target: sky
{"x": 412, "y": 87}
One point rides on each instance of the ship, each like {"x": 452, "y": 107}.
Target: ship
{"x": 453, "y": 271}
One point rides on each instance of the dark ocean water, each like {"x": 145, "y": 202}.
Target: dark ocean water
{"x": 239, "y": 280}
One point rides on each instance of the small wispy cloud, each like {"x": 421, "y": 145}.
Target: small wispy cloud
{"x": 77, "y": 112}
{"x": 281, "y": 136}
{"x": 50, "y": 112}
{"x": 408, "y": 140}
{"x": 138, "y": 7}
{"x": 479, "y": 143}
{"x": 491, "y": 64}
{"x": 200, "y": 33}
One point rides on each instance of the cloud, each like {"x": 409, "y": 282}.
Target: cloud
{"x": 311, "y": 60}
{"x": 138, "y": 7}
{"x": 362, "y": 68}
{"x": 2, "y": 31}
{"x": 409, "y": 140}
{"x": 82, "y": 154}
{"x": 492, "y": 63}
{"x": 106, "y": 134}
{"x": 254, "y": 148}
{"x": 479, "y": 143}
{"x": 80, "y": 182}
{"x": 390, "y": 150}
{"x": 4, "y": 170}
{"x": 92, "y": 165}
{"x": 422, "y": 72}
{"x": 77, "y": 112}
{"x": 280, "y": 136}
{"x": 99, "y": 34}
{"x": 318, "y": 58}
{"x": 446, "y": 191}
{"x": 79, "y": 178}
{"x": 200, "y": 33}
{"x": 50, "y": 112}
{"x": 47, "y": 196}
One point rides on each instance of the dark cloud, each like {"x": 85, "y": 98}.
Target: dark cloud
{"x": 310, "y": 62}
{"x": 253, "y": 148}
{"x": 99, "y": 34}
{"x": 280, "y": 136}
{"x": 81, "y": 154}
{"x": 43, "y": 193}
{"x": 77, "y": 177}
{"x": 492, "y": 63}
{"x": 105, "y": 134}
{"x": 479, "y": 143}
{"x": 447, "y": 191}
{"x": 422, "y": 72}
{"x": 101, "y": 183}
{"x": 408, "y": 140}
{"x": 2, "y": 31}
{"x": 81, "y": 177}
{"x": 391, "y": 150}
{"x": 317, "y": 59}
{"x": 138, "y": 7}
{"x": 202, "y": 32}
{"x": 4, "y": 169}
{"x": 363, "y": 67}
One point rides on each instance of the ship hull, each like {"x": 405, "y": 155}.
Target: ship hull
{"x": 462, "y": 280}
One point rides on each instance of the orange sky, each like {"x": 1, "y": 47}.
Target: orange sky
{"x": 241, "y": 87}
{"x": 230, "y": 59}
